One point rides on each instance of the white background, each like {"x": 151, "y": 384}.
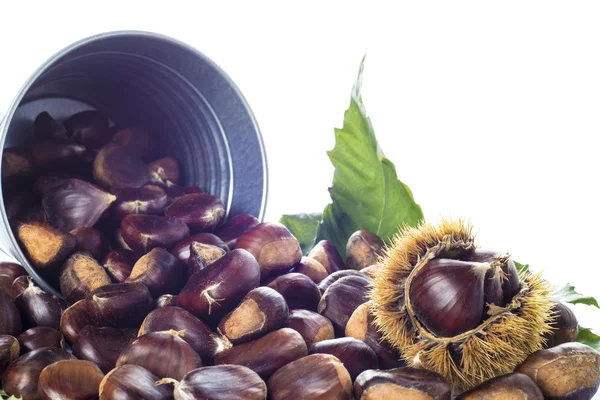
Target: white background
{"x": 489, "y": 110}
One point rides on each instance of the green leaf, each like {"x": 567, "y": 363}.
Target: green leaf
{"x": 567, "y": 294}
{"x": 587, "y": 336}
{"x": 521, "y": 268}
{"x": 366, "y": 193}
{"x": 303, "y": 227}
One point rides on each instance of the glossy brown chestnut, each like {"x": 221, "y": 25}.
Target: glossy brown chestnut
{"x": 325, "y": 283}
{"x": 19, "y": 285}
{"x": 363, "y": 249}
{"x": 119, "y": 263}
{"x": 46, "y": 183}
{"x": 160, "y": 271}
{"x": 262, "y": 310}
{"x": 148, "y": 199}
{"x": 273, "y": 246}
{"x": 22, "y": 376}
{"x": 298, "y": 290}
{"x": 80, "y": 276}
{"x": 88, "y": 128}
{"x": 174, "y": 191}
{"x": 17, "y": 169}
{"x": 361, "y": 326}
{"x": 18, "y": 205}
{"x": 356, "y": 355}
{"x": 45, "y": 246}
{"x": 510, "y": 386}
{"x": 70, "y": 379}
{"x": 164, "y": 170}
{"x": 204, "y": 342}
{"x": 120, "y": 305}
{"x": 74, "y": 319}
{"x": 568, "y": 371}
{"x": 341, "y": 299}
{"x": 565, "y": 326}
{"x": 53, "y": 156}
{"x": 166, "y": 300}
{"x": 132, "y": 382}
{"x": 200, "y": 211}
{"x": 201, "y": 256}
{"x": 102, "y": 345}
{"x": 218, "y": 288}
{"x": 144, "y": 232}
{"x": 117, "y": 167}
{"x": 182, "y": 249}
{"x": 220, "y": 382}
{"x": 9, "y": 351}
{"x": 90, "y": 240}
{"x": 39, "y": 308}
{"x": 326, "y": 253}
{"x": 177, "y": 357}
{"x": 138, "y": 141}
{"x": 45, "y": 127}
{"x": 39, "y": 337}
{"x": 401, "y": 384}
{"x": 267, "y": 354}
{"x": 315, "y": 377}
{"x": 6, "y": 283}
{"x": 311, "y": 326}
{"x": 10, "y": 319}
{"x": 234, "y": 227}
{"x": 311, "y": 268}
{"x": 12, "y": 270}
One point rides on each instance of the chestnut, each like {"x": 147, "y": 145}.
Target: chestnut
{"x": 204, "y": 342}
{"x": 90, "y": 240}
{"x": 298, "y": 290}
{"x": 361, "y": 326}
{"x": 39, "y": 337}
{"x": 182, "y": 249}
{"x": 118, "y": 264}
{"x": 102, "y": 345}
{"x": 311, "y": 326}
{"x": 273, "y": 246}
{"x": 81, "y": 275}
{"x": 164, "y": 170}
{"x": 509, "y": 386}
{"x": 117, "y": 167}
{"x": 132, "y": 382}
{"x": 144, "y": 232}
{"x": 261, "y": 311}
{"x": 267, "y": 354}
{"x": 148, "y": 199}
{"x": 88, "y": 128}
{"x": 160, "y": 271}
{"x": 51, "y": 156}
{"x": 564, "y": 327}
{"x": 315, "y": 377}
{"x": 74, "y": 319}
{"x": 47, "y": 183}
{"x": 6, "y": 283}
{"x": 12, "y": 270}
{"x": 9, "y": 351}
{"x": 177, "y": 357}
{"x": 219, "y": 382}
{"x": 45, "y": 246}
{"x": 19, "y": 205}
{"x": 166, "y": 300}
{"x": 200, "y": 211}
{"x": 136, "y": 140}
{"x": 10, "y": 319}
{"x": 325, "y": 283}
{"x": 356, "y": 355}
{"x": 17, "y": 168}
{"x": 46, "y": 127}
{"x": 19, "y": 285}
{"x": 326, "y": 253}
{"x": 370, "y": 271}
{"x": 21, "y": 377}
{"x": 311, "y": 268}
{"x": 567, "y": 371}
{"x": 341, "y": 299}
{"x": 400, "y": 384}
{"x": 39, "y": 308}
{"x": 70, "y": 379}
{"x": 121, "y": 305}
{"x": 218, "y": 288}
{"x": 174, "y": 191}
{"x": 234, "y": 227}
{"x": 201, "y": 256}
{"x": 363, "y": 249}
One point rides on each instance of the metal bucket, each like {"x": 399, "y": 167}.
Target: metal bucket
{"x": 143, "y": 79}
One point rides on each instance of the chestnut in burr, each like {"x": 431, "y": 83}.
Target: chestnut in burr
{"x": 102, "y": 345}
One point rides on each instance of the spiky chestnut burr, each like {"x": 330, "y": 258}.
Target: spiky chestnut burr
{"x": 455, "y": 310}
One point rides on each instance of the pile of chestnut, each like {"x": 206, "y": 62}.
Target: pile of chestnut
{"x": 165, "y": 299}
